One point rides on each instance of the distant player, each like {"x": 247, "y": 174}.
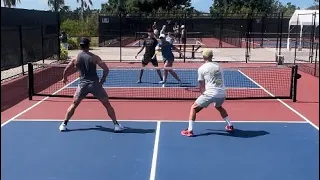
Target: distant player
{"x": 212, "y": 92}
{"x": 150, "y": 44}
{"x": 169, "y": 38}
{"x": 176, "y": 30}
{"x": 183, "y": 35}
{"x": 168, "y": 57}
{"x": 89, "y": 83}
{"x": 154, "y": 25}
{"x": 155, "y": 30}
{"x": 163, "y": 30}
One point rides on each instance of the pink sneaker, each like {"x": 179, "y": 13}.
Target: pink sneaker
{"x": 187, "y": 133}
{"x": 229, "y": 128}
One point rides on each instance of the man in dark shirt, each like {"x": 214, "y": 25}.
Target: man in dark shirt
{"x": 149, "y": 44}
{"x": 86, "y": 64}
{"x": 64, "y": 40}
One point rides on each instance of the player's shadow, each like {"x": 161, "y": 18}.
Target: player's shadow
{"x": 236, "y": 133}
{"x": 127, "y": 130}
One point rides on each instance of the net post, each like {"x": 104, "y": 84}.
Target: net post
{"x": 295, "y": 83}
{"x": 30, "y": 81}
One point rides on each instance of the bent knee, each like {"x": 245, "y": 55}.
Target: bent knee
{"x": 196, "y": 107}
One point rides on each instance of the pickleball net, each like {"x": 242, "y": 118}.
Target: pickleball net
{"x": 267, "y": 82}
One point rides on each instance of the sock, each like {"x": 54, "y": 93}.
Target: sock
{"x": 227, "y": 120}
{"x": 190, "y": 128}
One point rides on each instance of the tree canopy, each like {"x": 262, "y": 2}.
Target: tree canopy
{"x": 146, "y": 6}
{"x": 235, "y": 7}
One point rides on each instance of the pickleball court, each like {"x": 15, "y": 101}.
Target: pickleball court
{"x": 271, "y": 141}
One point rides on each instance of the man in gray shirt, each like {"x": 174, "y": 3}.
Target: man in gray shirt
{"x": 86, "y": 64}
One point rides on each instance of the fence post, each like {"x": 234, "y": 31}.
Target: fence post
{"x": 21, "y": 49}
{"x": 221, "y": 30}
{"x": 186, "y": 36}
{"x": 120, "y": 35}
{"x": 296, "y": 43}
{"x": 58, "y": 21}
{"x": 281, "y": 26}
{"x": 312, "y": 37}
{"x": 316, "y": 61}
{"x": 42, "y": 43}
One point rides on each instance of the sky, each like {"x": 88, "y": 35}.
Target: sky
{"x": 202, "y": 5}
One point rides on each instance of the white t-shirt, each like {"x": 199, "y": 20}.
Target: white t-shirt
{"x": 163, "y": 31}
{"x": 169, "y": 39}
{"x": 211, "y": 73}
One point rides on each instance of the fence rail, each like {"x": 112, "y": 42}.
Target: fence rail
{"x": 118, "y": 37}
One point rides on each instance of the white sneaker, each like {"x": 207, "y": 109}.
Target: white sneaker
{"x": 63, "y": 127}
{"x": 118, "y": 128}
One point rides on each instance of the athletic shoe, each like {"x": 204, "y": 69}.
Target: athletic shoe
{"x": 229, "y": 128}
{"x": 162, "y": 82}
{"x": 118, "y": 128}
{"x": 139, "y": 81}
{"x": 187, "y": 133}
{"x": 63, "y": 127}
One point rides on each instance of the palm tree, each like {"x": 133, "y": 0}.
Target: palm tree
{"x": 84, "y": 4}
{"x": 10, "y": 3}
{"x": 56, "y": 5}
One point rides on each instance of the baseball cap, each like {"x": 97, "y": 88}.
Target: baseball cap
{"x": 162, "y": 36}
{"x": 84, "y": 41}
{"x": 207, "y": 53}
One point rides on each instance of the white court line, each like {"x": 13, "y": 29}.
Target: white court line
{"x": 36, "y": 104}
{"x": 169, "y": 87}
{"x": 155, "y": 152}
{"x": 282, "y": 102}
{"x": 164, "y": 121}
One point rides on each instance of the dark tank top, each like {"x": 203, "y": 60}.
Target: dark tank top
{"x": 87, "y": 68}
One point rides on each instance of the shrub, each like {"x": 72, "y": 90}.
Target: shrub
{"x": 73, "y": 43}
{"x": 63, "y": 54}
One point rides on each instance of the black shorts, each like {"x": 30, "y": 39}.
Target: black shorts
{"x": 183, "y": 40}
{"x": 147, "y": 59}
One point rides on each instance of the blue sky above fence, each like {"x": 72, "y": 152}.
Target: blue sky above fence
{"x": 202, "y": 5}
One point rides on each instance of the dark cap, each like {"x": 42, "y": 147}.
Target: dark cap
{"x": 84, "y": 41}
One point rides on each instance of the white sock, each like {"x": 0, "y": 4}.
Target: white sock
{"x": 227, "y": 120}
{"x": 190, "y": 128}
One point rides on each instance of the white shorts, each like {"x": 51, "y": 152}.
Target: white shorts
{"x": 205, "y": 100}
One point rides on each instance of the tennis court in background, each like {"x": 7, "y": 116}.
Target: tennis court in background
{"x": 271, "y": 141}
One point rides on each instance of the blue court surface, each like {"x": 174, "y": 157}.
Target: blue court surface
{"x": 189, "y": 41}
{"x": 36, "y": 150}
{"x": 129, "y": 77}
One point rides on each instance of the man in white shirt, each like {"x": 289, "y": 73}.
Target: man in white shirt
{"x": 163, "y": 30}
{"x": 212, "y": 91}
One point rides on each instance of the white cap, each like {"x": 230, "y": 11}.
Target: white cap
{"x": 162, "y": 36}
{"x": 182, "y": 26}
